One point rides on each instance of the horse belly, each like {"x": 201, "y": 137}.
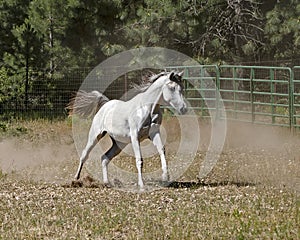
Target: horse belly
{"x": 121, "y": 139}
{"x": 117, "y": 126}
{"x": 125, "y": 137}
{"x": 116, "y": 121}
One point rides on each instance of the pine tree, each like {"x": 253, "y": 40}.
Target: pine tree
{"x": 50, "y": 19}
{"x": 12, "y": 18}
{"x": 282, "y": 30}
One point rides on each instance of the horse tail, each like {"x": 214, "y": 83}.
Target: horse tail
{"x": 86, "y": 104}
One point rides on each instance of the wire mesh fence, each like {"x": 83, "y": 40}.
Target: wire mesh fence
{"x": 39, "y": 94}
{"x": 257, "y": 94}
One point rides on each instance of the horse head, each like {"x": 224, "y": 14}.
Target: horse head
{"x": 172, "y": 93}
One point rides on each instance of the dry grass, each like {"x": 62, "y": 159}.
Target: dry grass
{"x": 253, "y": 193}
{"x": 49, "y": 211}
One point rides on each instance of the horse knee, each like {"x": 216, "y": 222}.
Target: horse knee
{"x": 104, "y": 161}
{"x": 139, "y": 163}
{"x": 84, "y": 156}
{"x": 161, "y": 151}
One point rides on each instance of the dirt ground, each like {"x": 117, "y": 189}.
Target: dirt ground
{"x": 251, "y": 193}
{"x": 251, "y": 153}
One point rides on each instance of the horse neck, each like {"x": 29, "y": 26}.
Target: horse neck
{"x": 154, "y": 92}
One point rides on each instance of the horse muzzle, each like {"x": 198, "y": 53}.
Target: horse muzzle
{"x": 183, "y": 110}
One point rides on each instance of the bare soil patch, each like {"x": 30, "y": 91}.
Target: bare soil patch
{"x": 252, "y": 193}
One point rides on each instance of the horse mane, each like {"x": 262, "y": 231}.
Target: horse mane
{"x": 147, "y": 81}
{"x": 175, "y": 76}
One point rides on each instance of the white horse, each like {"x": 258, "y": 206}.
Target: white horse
{"x": 130, "y": 121}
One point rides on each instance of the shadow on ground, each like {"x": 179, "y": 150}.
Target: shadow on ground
{"x": 89, "y": 182}
{"x": 200, "y": 184}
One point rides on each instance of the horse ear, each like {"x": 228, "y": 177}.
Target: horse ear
{"x": 180, "y": 74}
{"x": 172, "y": 76}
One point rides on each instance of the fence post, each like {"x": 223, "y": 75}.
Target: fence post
{"x": 272, "y": 94}
{"x": 252, "y": 76}
{"x": 185, "y": 82}
{"x": 291, "y": 100}
{"x": 186, "y": 75}
{"x": 218, "y": 93}
{"x": 202, "y": 103}
{"x": 234, "y": 75}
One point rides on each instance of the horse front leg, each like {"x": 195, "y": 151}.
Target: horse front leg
{"x": 138, "y": 158}
{"x": 156, "y": 139}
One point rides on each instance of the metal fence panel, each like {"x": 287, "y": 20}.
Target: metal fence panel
{"x": 296, "y": 97}
{"x": 256, "y": 94}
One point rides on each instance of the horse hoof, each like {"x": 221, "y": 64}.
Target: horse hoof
{"x": 165, "y": 183}
{"x": 165, "y": 178}
{"x": 142, "y": 189}
{"x": 107, "y": 185}
{"x": 76, "y": 183}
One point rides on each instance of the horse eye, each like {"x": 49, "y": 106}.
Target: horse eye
{"x": 172, "y": 88}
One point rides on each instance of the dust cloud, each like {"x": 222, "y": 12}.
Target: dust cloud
{"x": 253, "y": 154}
{"x": 48, "y": 162}
{"x": 259, "y": 154}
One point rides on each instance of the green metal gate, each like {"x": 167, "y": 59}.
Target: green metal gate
{"x": 296, "y": 97}
{"x": 256, "y": 94}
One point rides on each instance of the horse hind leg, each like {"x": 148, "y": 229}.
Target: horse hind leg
{"x": 115, "y": 149}
{"x": 92, "y": 141}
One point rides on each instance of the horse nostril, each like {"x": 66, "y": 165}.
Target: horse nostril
{"x": 183, "y": 110}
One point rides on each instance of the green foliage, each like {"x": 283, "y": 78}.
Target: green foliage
{"x": 50, "y": 20}
{"x": 3, "y": 84}
{"x": 11, "y": 88}
{"x": 282, "y": 30}
{"x": 3, "y": 127}
{"x": 12, "y": 15}
{"x": 54, "y": 36}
